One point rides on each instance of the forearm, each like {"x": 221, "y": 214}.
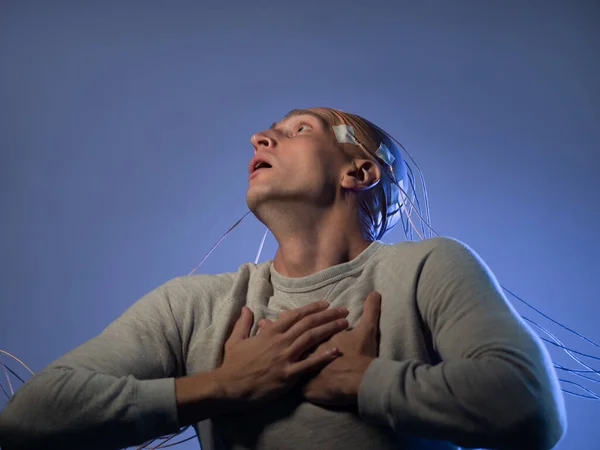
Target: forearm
{"x": 68, "y": 408}
{"x": 486, "y": 402}
{"x": 202, "y": 396}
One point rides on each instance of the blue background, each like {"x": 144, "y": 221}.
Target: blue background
{"x": 124, "y": 139}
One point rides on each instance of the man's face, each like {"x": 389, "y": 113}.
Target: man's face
{"x": 305, "y": 163}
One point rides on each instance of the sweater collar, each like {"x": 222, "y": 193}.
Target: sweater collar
{"x": 325, "y": 276}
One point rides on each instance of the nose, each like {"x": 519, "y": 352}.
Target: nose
{"x": 261, "y": 140}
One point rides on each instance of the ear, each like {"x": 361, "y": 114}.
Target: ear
{"x": 360, "y": 175}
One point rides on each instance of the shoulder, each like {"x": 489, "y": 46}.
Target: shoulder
{"x": 440, "y": 262}
{"x": 197, "y": 302}
{"x": 426, "y": 246}
{"x": 430, "y": 251}
{"x": 202, "y": 288}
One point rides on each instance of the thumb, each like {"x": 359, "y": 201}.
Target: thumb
{"x": 242, "y": 326}
{"x": 371, "y": 312}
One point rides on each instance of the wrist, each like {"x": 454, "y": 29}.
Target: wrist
{"x": 201, "y": 396}
{"x": 361, "y": 368}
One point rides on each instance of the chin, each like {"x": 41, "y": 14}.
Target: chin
{"x": 261, "y": 202}
{"x": 254, "y": 200}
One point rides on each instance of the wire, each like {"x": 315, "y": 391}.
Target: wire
{"x": 218, "y": 242}
{"x": 261, "y": 246}
{"x": 10, "y": 387}
{"x": 559, "y": 344}
{"x": 18, "y": 360}
{"x": 552, "y": 320}
{"x": 567, "y": 349}
{"x": 593, "y": 394}
{"x": 177, "y": 443}
{"x": 15, "y": 374}
{"x": 4, "y": 389}
{"x": 165, "y": 439}
{"x": 579, "y": 395}
{"x": 576, "y": 372}
{"x": 561, "y": 367}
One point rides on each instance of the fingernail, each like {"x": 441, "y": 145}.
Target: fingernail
{"x": 333, "y": 352}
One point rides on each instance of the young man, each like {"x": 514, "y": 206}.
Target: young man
{"x": 416, "y": 347}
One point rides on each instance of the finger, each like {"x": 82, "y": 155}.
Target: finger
{"x": 314, "y": 362}
{"x": 315, "y": 336}
{"x": 313, "y": 321}
{"x": 371, "y": 312}
{"x": 242, "y": 326}
{"x": 264, "y": 323}
{"x": 289, "y": 318}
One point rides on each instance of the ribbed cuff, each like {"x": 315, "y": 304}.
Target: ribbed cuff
{"x": 375, "y": 392}
{"x": 156, "y": 408}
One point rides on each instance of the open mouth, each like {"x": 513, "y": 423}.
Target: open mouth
{"x": 262, "y": 165}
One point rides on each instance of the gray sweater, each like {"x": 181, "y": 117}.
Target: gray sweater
{"x": 456, "y": 367}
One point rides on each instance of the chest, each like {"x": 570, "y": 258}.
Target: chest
{"x": 289, "y": 421}
{"x": 403, "y": 333}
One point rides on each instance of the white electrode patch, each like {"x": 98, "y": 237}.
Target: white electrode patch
{"x": 384, "y": 153}
{"x": 345, "y": 134}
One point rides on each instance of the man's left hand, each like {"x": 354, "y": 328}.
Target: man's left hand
{"x": 337, "y": 384}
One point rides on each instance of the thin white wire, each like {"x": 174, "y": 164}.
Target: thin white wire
{"x": 261, "y": 246}
{"x": 421, "y": 176}
{"x": 417, "y": 210}
{"x": 177, "y": 443}
{"x": 408, "y": 215}
{"x": 218, "y": 242}
{"x": 413, "y": 206}
{"x": 403, "y": 205}
{"x": 564, "y": 349}
{"x": 4, "y": 390}
{"x": 10, "y": 387}
{"x": 164, "y": 440}
{"x": 18, "y": 360}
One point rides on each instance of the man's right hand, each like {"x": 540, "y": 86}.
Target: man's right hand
{"x": 259, "y": 368}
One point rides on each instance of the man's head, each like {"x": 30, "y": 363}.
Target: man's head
{"x": 323, "y": 158}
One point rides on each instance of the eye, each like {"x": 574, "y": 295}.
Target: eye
{"x": 302, "y": 127}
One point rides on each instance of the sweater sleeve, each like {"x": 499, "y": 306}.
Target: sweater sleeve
{"x": 113, "y": 391}
{"x": 494, "y": 387}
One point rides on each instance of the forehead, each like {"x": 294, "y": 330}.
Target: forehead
{"x": 302, "y": 113}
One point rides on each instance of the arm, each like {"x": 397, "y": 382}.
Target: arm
{"x": 113, "y": 391}
{"x": 495, "y": 386}
{"x": 118, "y": 389}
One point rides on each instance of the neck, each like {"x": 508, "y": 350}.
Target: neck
{"x": 308, "y": 245}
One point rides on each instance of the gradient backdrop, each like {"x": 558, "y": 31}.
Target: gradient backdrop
{"x": 124, "y": 139}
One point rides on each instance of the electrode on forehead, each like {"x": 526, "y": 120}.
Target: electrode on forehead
{"x": 345, "y": 134}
